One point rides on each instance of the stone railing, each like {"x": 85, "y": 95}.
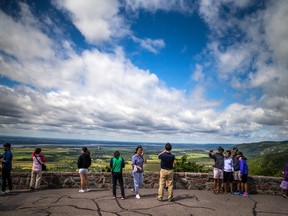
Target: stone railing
{"x": 190, "y": 181}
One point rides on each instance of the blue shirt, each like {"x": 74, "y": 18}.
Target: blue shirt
{"x": 7, "y": 156}
{"x": 138, "y": 160}
{"x": 167, "y": 160}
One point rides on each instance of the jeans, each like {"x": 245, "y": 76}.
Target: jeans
{"x": 117, "y": 176}
{"x": 166, "y": 179}
{"x": 138, "y": 181}
{"x": 6, "y": 178}
{"x": 35, "y": 179}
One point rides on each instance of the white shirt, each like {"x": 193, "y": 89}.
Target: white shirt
{"x": 228, "y": 164}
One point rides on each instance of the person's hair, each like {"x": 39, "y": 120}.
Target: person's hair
{"x": 138, "y": 147}
{"x": 235, "y": 148}
{"x": 168, "y": 147}
{"x": 240, "y": 153}
{"x": 85, "y": 150}
{"x": 229, "y": 152}
{"x": 7, "y": 145}
{"x": 37, "y": 151}
{"x": 116, "y": 154}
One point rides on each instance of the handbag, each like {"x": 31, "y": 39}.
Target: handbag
{"x": 44, "y": 168}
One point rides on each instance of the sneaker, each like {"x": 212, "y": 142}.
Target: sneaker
{"x": 284, "y": 195}
{"x": 237, "y": 192}
{"x": 133, "y": 190}
{"x": 137, "y": 196}
{"x": 245, "y": 194}
{"x": 1, "y": 192}
{"x": 123, "y": 197}
{"x": 88, "y": 189}
{"x": 114, "y": 197}
{"x": 171, "y": 200}
{"x": 159, "y": 199}
{"x": 81, "y": 191}
{"x": 7, "y": 191}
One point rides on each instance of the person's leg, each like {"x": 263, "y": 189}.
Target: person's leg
{"x": 86, "y": 182}
{"x": 114, "y": 183}
{"x": 136, "y": 182}
{"x": 38, "y": 180}
{"x": 162, "y": 182}
{"x": 81, "y": 181}
{"x": 121, "y": 183}
{"x": 219, "y": 185}
{"x": 215, "y": 175}
{"x": 4, "y": 179}
{"x": 170, "y": 176}
{"x": 33, "y": 179}
{"x": 9, "y": 179}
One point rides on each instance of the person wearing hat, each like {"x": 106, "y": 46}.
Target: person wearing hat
{"x": 6, "y": 168}
{"x": 218, "y": 168}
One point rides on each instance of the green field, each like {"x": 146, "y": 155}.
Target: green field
{"x": 64, "y": 159}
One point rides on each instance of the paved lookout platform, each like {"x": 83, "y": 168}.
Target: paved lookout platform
{"x": 100, "y": 202}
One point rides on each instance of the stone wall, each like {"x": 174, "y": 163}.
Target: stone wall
{"x": 190, "y": 181}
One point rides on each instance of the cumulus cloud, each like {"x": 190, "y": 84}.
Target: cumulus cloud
{"x": 98, "y": 21}
{"x": 103, "y": 94}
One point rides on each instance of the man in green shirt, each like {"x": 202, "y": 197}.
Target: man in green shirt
{"x": 117, "y": 164}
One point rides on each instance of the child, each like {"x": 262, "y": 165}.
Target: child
{"x": 228, "y": 171}
{"x": 284, "y": 183}
{"x": 218, "y": 168}
{"x": 117, "y": 163}
{"x": 243, "y": 173}
{"x": 84, "y": 162}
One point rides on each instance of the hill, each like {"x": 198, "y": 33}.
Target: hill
{"x": 265, "y": 158}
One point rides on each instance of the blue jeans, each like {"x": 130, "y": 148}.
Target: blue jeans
{"x": 138, "y": 181}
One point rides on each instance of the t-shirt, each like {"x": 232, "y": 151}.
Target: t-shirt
{"x": 219, "y": 160}
{"x": 228, "y": 164}
{"x": 117, "y": 164}
{"x": 138, "y": 160}
{"x": 7, "y": 156}
{"x": 167, "y": 159}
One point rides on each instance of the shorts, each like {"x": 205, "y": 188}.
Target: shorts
{"x": 237, "y": 175}
{"x": 83, "y": 171}
{"x": 244, "y": 178}
{"x": 228, "y": 177}
{"x": 218, "y": 173}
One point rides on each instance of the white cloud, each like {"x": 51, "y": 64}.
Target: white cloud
{"x": 151, "y": 45}
{"x": 185, "y": 6}
{"x": 98, "y": 94}
{"x": 98, "y": 21}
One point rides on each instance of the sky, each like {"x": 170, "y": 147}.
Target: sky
{"x": 179, "y": 71}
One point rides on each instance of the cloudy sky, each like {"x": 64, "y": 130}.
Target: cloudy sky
{"x": 193, "y": 71}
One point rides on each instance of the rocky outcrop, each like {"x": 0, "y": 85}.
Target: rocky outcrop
{"x": 189, "y": 181}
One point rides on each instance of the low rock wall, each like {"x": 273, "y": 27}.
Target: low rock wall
{"x": 190, "y": 181}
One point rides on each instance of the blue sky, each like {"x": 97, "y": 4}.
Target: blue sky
{"x": 136, "y": 70}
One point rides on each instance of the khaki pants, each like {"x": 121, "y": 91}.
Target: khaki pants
{"x": 166, "y": 179}
{"x": 35, "y": 179}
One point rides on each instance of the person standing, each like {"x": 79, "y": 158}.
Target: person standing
{"x": 236, "y": 174}
{"x": 218, "y": 168}
{"x": 138, "y": 161}
{"x": 84, "y": 162}
{"x": 6, "y": 160}
{"x": 36, "y": 175}
{"x": 228, "y": 171}
{"x": 284, "y": 183}
{"x": 244, "y": 174}
{"x": 117, "y": 163}
{"x": 166, "y": 172}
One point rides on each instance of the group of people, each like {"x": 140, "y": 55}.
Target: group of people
{"x": 117, "y": 164}
{"x": 228, "y": 167}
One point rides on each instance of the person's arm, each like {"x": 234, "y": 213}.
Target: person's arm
{"x": 159, "y": 155}
{"x": 123, "y": 163}
{"x": 144, "y": 158}
{"x": 211, "y": 155}
{"x": 232, "y": 165}
{"x": 241, "y": 164}
{"x": 89, "y": 161}
{"x": 79, "y": 162}
{"x": 111, "y": 163}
